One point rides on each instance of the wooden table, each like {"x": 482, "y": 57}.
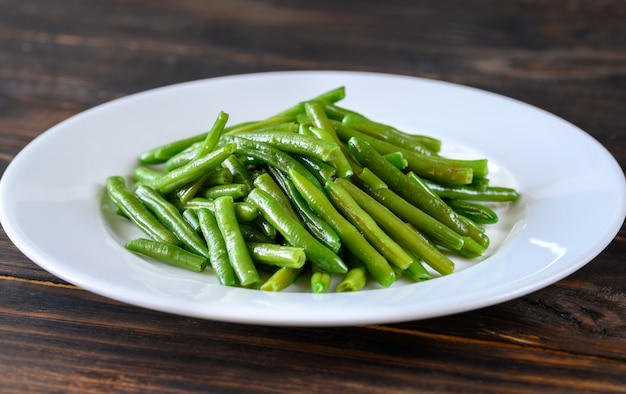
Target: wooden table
{"x": 60, "y": 58}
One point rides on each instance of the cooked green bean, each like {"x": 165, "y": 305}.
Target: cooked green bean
{"x": 235, "y": 190}
{"x": 212, "y": 136}
{"x": 392, "y": 134}
{"x": 412, "y": 191}
{"x": 278, "y": 255}
{"x": 355, "y": 279}
{"x": 146, "y": 174}
{"x": 299, "y": 144}
{"x": 171, "y": 217}
{"x": 133, "y": 209}
{"x": 245, "y": 212}
{"x": 270, "y": 156}
{"x": 397, "y": 159}
{"x": 266, "y": 227}
{"x": 266, "y": 183}
{"x": 322, "y": 170}
{"x": 478, "y": 213}
{"x": 168, "y": 253}
{"x": 325, "y": 130}
{"x": 218, "y": 254}
{"x": 295, "y": 234}
{"x": 191, "y": 217}
{"x": 251, "y": 233}
{"x": 240, "y": 173}
{"x": 192, "y": 170}
{"x": 435, "y": 229}
{"x": 163, "y": 153}
{"x": 182, "y": 158}
{"x": 350, "y": 236}
{"x": 321, "y": 230}
{"x": 439, "y": 169}
{"x": 397, "y": 228}
{"x": 258, "y": 125}
{"x": 346, "y": 204}
{"x": 320, "y": 281}
{"x": 189, "y": 191}
{"x": 238, "y": 254}
{"x": 219, "y": 176}
{"x": 418, "y": 272}
{"x": 461, "y": 192}
{"x": 281, "y": 279}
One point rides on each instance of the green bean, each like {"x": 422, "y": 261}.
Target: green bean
{"x": 294, "y": 232}
{"x": 412, "y": 191}
{"x": 134, "y": 210}
{"x": 397, "y": 159}
{"x": 474, "y": 231}
{"x": 335, "y": 112}
{"x": 219, "y": 176}
{"x": 218, "y": 255}
{"x": 418, "y": 272}
{"x": 240, "y": 173}
{"x": 235, "y": 190}
{"x": 278, "y": 255}
{"x": 347, "y": 205}
{"x": 435, "y": 229}
{"x": 392, "y": 135}
{"x": 189, "y": 191}
{"x": 270, "y": 156}
{"x": 405, "y": 236}
{"x": 191, "y": 217}
{"x": 192, "y": 170}
{"x": 257, "y": 125}
{"x": 170, "y": 216}
{"x": 489, "y": 193}
{"x": 266, "y": 227}
{"x": 212, "y": 136}
{"x": 146, "y": 174}
{"x": 478, "y": 213}
{"x": 281, "y": 279}
{"x": 437, "y": 168}
{"x": 321, "y": 230}
{"x": 266, "y": 183}
{"x": 168, "y": 253}
{"x": 289, "y": 126}
{"x": 245, "y": 212}
{"x": 439, "y": 231}
{"x": 252, "y": 233}
{"x": 325, "y": 130}
{"x": 294, "y": 143}
{"x": 165, "y": 152}
{"x": 350, "y": 236}
{"x": 322, "y": 170}
{"x": 354, "y": 280}
{"x": 320, "y": 281}
{"x": 182, "y": 158}
{"x": 238, "y": 254}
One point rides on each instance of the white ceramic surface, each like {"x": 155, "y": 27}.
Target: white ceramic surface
{"x": 573, "y": 196}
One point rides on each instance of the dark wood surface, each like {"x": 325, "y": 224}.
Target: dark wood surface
{"x": 59, "y": 58}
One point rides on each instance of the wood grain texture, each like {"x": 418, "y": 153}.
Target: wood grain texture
{"x": 567, "y": 57}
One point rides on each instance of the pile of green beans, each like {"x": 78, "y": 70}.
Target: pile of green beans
{"x": 315, "y": 190}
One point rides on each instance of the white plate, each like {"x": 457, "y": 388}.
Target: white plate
{"x": 573, "y": 196}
